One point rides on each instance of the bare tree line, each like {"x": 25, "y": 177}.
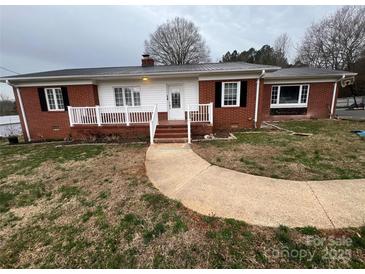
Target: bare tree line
{"x": 7, "y": 106}
{"x": 336, "y": 42}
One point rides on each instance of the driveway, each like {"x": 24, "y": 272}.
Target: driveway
{"x": 351, "y": 114}
{"x": 181, "y": 174}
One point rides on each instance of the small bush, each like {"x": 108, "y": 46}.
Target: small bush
{"x": 179, "y": 225}
{"x": 308, "y": 230}
{"x": 283, "y": 234}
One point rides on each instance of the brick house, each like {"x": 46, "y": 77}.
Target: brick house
{"x": 169, "y": 103}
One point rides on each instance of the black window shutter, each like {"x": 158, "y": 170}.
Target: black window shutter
{"x": 218, "y": 94}
{"x": 65, "y": 97}
{"x": 243, "y": 98}
{"x": 42, "y": 99}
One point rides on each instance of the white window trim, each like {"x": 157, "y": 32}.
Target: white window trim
{"x": 54, "y": 98}
{"x": 290, "y": 105}
{"x": 238, "y": 94}
{"x": 123, "y": 95}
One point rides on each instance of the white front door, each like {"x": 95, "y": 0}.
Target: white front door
{"x": 176, "y": 103}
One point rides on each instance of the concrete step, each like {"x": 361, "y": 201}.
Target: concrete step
{"x": 171, "y": 140}
{"x": 171, "y": 134}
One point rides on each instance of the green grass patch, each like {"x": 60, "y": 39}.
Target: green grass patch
{"x": 156, "y": 201}
{"x": 70, "y": 191}
{"x": 179, "y": 225}
{"x": 331, "y": 152}
{"x": 20, "y": 194}
{"x": 149, "y": 235}
{"x": 23, "y": 159}
{"x": 308, "y": 230}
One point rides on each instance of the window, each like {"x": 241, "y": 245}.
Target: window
{"x": 128, "y": 96}
{"x": 54, "y": 99}
{"x": 289, "y": 96}
{"x": 304, "y": 95}
{"x": 230, "y": 94}
{"x": 274, "y": 95}
{"x": 175, "y": 100}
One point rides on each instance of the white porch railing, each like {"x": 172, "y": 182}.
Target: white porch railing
{"x": 153, "y": 124}
{"x": 199, "y": 113}
{"x": 108, "y": 115}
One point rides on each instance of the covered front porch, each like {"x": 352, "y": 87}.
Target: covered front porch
{"x": 138, "y": 117}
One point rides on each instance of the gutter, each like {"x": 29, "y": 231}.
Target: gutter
{"x": 334, "y": 95}
{"x": 257, "y": 97}
{"x": 22, "y": 110}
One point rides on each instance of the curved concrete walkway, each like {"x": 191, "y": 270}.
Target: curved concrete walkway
{"x": 181, "y": 174}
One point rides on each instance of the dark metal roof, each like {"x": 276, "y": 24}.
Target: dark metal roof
{"x": 306, "y": 72}
{"x": 139, "y": 70}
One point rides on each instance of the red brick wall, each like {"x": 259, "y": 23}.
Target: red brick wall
{"x": 201, "y": 129}
{"x": 229, "y": 118}
{"x": 133, "y": 132}
{"x": 45, "y": 125}
{"x": 319, "y": 103}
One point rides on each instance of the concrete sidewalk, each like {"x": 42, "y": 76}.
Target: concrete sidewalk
{"x": 181, "y": 174}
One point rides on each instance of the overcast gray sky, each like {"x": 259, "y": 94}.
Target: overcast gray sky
{"x": 38, "y": 38}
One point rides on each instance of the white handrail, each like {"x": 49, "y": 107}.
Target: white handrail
{"x": 189, "y": 125}
{"x": 153, "y": 124}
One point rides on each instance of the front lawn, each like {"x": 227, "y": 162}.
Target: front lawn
{"x": 92, "y": 206}
{"x": 332, "y": 152}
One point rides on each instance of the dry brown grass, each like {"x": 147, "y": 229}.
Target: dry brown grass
{"x": 332, "y": 152}
{"x": 102, "y": 212}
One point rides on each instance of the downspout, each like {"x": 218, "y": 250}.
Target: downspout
{"x": 257, "y": 97}
{"x": 22, "y": 110}
{"x": 334, "y": 96}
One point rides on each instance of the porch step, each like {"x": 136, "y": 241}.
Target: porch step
{"x": 169, "y": 134}
{"x": 171, "y": 140}
{"x": 171, "y": 130}
{"x": 172, "y": 126}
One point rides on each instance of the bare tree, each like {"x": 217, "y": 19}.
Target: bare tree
{"x": 177, "y": 42}
{"x": 337, "y": 41}
{"x": 281, "y": 48}
{"x": 7, "y": 106}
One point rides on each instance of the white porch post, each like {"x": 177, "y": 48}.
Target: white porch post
{"x": 189, "y": 126}
{"x": 126, "y": 115}
{"x": 211, "y": 113}
{"x": 98, "y": 118}
{"x": 151, "y": 132}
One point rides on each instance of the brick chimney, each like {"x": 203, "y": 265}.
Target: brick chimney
{"x": 147, "y": 61}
